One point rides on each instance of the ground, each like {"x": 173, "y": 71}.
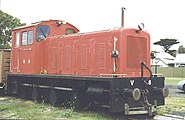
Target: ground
{"x": 174, "y": 92}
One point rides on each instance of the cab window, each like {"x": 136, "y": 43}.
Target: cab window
{"x": 24, "y": 38}
{"x": 17, "y": 37}
{"x": 69, "y": 31}
{"x": 30, "y": 37}
{"x": 42, "y": 32}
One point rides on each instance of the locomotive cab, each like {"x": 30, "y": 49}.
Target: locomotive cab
{"x": 28, "y": 43}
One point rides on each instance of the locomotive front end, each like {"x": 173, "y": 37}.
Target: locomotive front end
{"x": 139, "y": 92}
{"x": 138, "y": 95}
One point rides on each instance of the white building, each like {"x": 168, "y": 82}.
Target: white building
{"x": 180, "y": 60}
{"x": 162, "y": 59}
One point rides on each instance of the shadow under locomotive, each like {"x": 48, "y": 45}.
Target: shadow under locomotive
{"x": 130, "y": 96}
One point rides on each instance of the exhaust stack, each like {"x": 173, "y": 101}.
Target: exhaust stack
{"x": 122, "y": 16}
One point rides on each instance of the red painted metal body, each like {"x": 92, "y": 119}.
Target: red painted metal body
{"x": 81, "y": 54}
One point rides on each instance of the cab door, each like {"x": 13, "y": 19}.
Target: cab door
{"x": 26, "y": 51}
{"x": 15, "y": 55}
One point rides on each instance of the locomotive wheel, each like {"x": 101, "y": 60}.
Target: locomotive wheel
{"x": 44, "y": 98}
{"x": 35, "y": 94}
{"x": 44, "y": 95}
{"x": 85, "y": 102}
{"x": 21, "y": 92}
{"x": 53, "y": 97}
{"x": 74, "y": 101}
{"x": 24, "y": 92}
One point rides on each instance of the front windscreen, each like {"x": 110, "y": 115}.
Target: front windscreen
{"x": 42, "y": 32}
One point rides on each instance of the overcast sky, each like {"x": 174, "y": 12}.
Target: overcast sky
{"x": 162, "y": 18}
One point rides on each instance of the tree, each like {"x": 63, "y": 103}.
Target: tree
{"x": 181, "y": 49}
{"x": 166, "y": 44}
{"x": 7, "y": 23}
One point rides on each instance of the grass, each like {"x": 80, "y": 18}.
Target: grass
{"x": 173, "y": 105}
{"x": 13, "y": 108}
{"x": 172, "y": 81}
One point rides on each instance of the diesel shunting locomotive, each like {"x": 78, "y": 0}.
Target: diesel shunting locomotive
{"x": 52, "y": 61}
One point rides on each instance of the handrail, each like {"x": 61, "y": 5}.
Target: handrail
{"x": 142, "y": 71}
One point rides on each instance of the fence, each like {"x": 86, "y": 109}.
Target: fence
{"x": 171, "y": 71}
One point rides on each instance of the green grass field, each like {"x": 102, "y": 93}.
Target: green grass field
{"x": 13, "y": 108}
{"x": 172, "y": 105}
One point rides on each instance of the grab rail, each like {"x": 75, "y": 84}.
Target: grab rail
{"x": 142, "y": 69}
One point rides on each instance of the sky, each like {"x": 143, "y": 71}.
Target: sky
{"x": 162, "y": 18}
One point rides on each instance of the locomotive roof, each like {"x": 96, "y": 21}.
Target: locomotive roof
{"x": 25, "y": 26}
{"x": 40, "y": 22}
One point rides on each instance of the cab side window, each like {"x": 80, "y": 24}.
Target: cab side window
{"x": 42, "y": 32}
{"x": 24, "y": 38}
{"x": 30, "y": 37}
{"x": 27, "y": 37}
{"x": 17, "y": 38}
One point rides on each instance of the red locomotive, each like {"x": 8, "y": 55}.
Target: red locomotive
{"x": 51, "y": 61}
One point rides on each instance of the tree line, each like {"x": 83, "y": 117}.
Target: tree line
{"x": 7, "y": 23}
{"x": 167, "y": 43}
